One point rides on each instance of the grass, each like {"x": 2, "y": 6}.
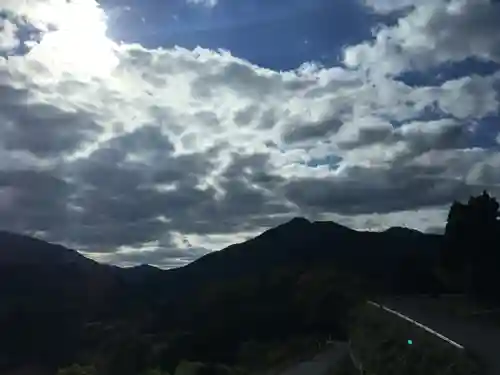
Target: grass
{"x": 380, "y": 342}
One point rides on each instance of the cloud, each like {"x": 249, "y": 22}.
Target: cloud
{"x": 432, "y": 33}
{"x": 8, "y": 36}
{"x": 389, "y": 6}
{"x": 162, "y": 155}
{"x": 206, "y": 3}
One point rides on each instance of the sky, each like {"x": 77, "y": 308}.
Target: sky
{"x": 158, "y": 131}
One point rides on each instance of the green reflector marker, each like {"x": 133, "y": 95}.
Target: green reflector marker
{"x": 410, "y": 342}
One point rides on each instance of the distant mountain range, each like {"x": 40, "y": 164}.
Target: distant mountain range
{"x": 59, "y": 307}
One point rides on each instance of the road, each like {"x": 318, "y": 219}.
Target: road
{"x": 481, "y": 338}
{"x": 323, "y": 363}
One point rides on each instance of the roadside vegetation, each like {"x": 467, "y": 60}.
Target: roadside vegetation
{"x": 253, "y": 357}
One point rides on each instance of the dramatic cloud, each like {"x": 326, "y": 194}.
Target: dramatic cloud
{"x": 133, "y": 154}
{"x": 433, "y": 33}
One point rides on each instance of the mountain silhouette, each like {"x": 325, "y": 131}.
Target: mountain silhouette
{"x": 16, "y": 249}
{"x": 59, "y": 307}
{"x": 301, "y": 243}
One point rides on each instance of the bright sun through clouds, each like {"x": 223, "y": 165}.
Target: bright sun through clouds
{"x": 76, "y": 43}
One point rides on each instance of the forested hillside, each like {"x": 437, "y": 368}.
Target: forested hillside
{"x": 300, "y": 279}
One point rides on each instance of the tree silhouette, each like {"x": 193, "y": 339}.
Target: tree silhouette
{"x": 471, "y": 256}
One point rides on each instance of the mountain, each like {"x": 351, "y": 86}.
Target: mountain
{"x": 17, "y": 249}
{"x": 46, "y": 293}
{"x": 58, "y": 307}
{"x": 301, "y": 243}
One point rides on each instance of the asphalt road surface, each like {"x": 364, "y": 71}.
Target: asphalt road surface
{"x": 481, "y": 338}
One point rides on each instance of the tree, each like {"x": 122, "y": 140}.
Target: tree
{"x": 470, "y": 254}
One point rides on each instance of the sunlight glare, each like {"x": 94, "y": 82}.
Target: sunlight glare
{"x": 78, "y": 45}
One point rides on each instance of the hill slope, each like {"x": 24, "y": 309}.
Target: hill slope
{"x": 59, "y": 307}
{"x": 300, "y": 243}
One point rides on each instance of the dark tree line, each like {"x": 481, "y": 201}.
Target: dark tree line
{"x": 470, "y": 258}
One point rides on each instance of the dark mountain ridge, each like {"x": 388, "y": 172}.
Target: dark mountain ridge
{"x": 300, "y": 243}
{"x": 50, "y": 295}
{"x": 19, "y": 249}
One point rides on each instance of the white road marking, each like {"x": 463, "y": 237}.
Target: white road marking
{"x": 417, "y": 324}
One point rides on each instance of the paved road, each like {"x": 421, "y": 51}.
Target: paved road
{"x": 323, "y": 363}
{"x": 482, "y": 339}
